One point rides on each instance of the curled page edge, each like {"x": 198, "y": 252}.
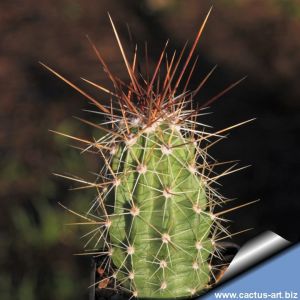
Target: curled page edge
{"x": 253, "y": 252}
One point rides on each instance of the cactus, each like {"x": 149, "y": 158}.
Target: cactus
{"x": 155, "y": 207}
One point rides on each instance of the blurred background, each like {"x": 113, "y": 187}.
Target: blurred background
{"x": 256, "y": 38}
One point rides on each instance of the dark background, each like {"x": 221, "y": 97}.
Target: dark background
{"x": 250, "y": 37}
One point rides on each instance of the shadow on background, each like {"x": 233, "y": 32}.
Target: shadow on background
{"x": 254, "y": 38}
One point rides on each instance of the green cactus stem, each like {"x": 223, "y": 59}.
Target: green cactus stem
{"x": 162, "y": 220}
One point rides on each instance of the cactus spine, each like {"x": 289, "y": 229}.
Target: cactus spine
{"x": 156, "y": 202}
